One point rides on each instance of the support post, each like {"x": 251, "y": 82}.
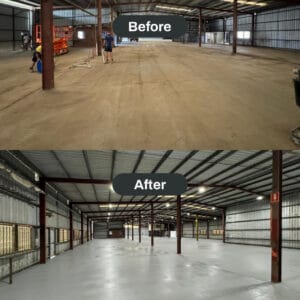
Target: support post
{"x": 178, "y": 224}
{"x": 197, "y": 228}
{"x": 132, "y": 230}
{"x": 43, "y": 256}
{"x": 13, "y": 29}
{"x": 127, "y": 230}
{"x": 82, "y": 225}
{"x": 111, "y": 19}
{"x": 88, "y": 229}
{"x": 253, "y": 29}
{"x": 276, "y": 217}
{"x": 193, "y": 229}
{"x": 47, "y": 44}
{"x": 10, "y": 270}
{"x": 99, "y": 35}
{"x": 207, "y": 229}
{"x": 224, "y": 30}
{"x": 224, "y": 225}
{"x": 152, "y": 225}
{"x": 235, "y": 20}
{"x": 140, "y": 228}
{"x": 200, "y": 27}
{"x": 71, "y": 226}
{"x": 91, "y": 231}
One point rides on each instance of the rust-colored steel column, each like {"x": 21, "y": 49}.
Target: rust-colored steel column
{"x": 42, "y": 213}
{"x": 253, "y": 29}
{"x": 88, "y": 229}
{"x": 71, "y": 226}
{"x": 223, "y": 225}
{"x": 200, "y": 27}
{"x": 207, "y": 229}
{"x": 82, "y": 225}
{"x": 235, "y": 26}
{"x": 91, "y": 231}
{"x": 47, "y": 44}
{"x": 127, "y": 230}
{"x": 193, "y": 228}
{"x": 178, "y": 224}
{"x": 140, "y": 227}
{"x": 99, "y": 35}
{"x": 224, "y": 30}
{"x": 276, "y": 217}
{"x": 111, "y": 19}
{"x": 152, "y": 225}
{"x": 132, "y": 230}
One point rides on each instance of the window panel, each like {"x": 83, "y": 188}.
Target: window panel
{"x": 24, "y": 238}
{"x": 6, "y": 239}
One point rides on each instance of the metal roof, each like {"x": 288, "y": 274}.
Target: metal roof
{"x": 184, "y": 7}
{"x": 230, "y": 177}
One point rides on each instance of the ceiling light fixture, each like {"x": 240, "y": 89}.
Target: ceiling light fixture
{"x": 173, "y": 8}
{"x": 29, "y": 6}
{"x": 202, "y": 189}
{"x": 250, "y": 3}
{"x": 259, "y": 198}
{"x": 167, "y": 204}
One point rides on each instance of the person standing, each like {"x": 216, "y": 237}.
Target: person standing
{"x": 37, "y": 55}
{"x": 108, "y": 45}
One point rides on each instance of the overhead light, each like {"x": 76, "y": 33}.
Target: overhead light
{"x": 202, "y": 189}
{"x": 172, "y": 217}
{"x": 260, "y": 198}
{"x": 113, "y": 205}
{"x": 110, "y": 206}
{"x": 36, "y": 177}
{"x": 30, "y": 5}
{"x": 111, "y": 188}
{"x": 109, "y": 213}
{"x": 167, "y": 204}
{"x": 188, "y": 214}
{"x": 215, "y": 218}
{"x": 250, "y": 3}
{"x": 195, "y": 206}
{"x": 213, "y": 208}
{"x": 173, "y": 8}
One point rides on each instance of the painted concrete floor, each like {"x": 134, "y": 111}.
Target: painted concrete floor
{"x": 157, "y": 95}
{"x": 122, "y": 269}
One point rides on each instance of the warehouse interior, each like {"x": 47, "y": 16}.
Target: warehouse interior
{"x": 230, "y": 74}
{"x": 65, "y": 233}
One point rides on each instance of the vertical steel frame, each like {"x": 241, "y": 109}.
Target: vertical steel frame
{"x": 276, "y": 217}
{"x": 140, "y": 228}
{"x": 207, "y": 229}
{"x": 82, "y": 225}
{"x": 71, "y": 226}
{"x": 224, "y": 225}
{"x": 179, "y": 228}
{"x": 42, "y": 214}
{"x": 47, "y": 44}
{"x": 200, "y": 27}
{"x": 99, "y": 35}
{"x": 152, "y": 225}
{"x": 197, "y": 228}
{"x": 132, "y": 230}
{"x": 235, "y": 27}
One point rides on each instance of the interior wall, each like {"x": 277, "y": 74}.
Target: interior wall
{"x": 250, "y": 224}
{"x": 103, "y": 230}
{"x": 278, "y": 28}
{"x": 10, "y": 29}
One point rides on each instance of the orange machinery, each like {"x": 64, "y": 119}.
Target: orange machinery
{"x": 61, "y": 36}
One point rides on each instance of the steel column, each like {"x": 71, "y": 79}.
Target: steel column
{"x": 88, "y": 229}
{"x": 253, "y": 29}
{"x": 81, "y": 223}
{"x": 276, "y": 217}
{"x": 223, "y": 224}
{"x": 13, "y": 29}
{"x": 207, "y": 229}
{"x": 197, "y": 228}
{"x": 99, "y": 35}
{"x": 71, "y": 226}
{"x": 128, "y": 230}
{"x": 178, "y": 224}
{"x": 140, "y": 228}
{"x": 193, "y": 228}
{"x": 47, "y": 44}
{"x": 224, "y": 30}
{"x": 42, "y": 213}
{"x": 235, "y": 20}
{"x": 152, "y": 225}
{"x": 132, "y": 231}
{"x": 200, "y": 27}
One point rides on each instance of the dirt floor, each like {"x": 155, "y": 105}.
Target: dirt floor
{"x": 156, "y": 95}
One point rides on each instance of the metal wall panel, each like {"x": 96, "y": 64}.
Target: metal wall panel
{"x": 250, "y": 224}
{"x": 187, "y": 230}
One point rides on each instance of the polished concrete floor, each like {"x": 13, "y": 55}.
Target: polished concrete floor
{"x": 123, "y": 269}
{"x": 157, "y": 95}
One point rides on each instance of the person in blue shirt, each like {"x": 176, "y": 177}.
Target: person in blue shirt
{"x": 108, "y": 45}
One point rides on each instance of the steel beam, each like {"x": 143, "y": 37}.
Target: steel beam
{"x": 235, "y": 26}
{"x": 71, "y": 226}
{"x": 42, "y": 214}
{"x": 140, "y": 227}
{"x": 276, "y": 217}
{"x": 200, "y": 27}
{"x": 99, "y": 33}
{"x": 81, "y": 223}
{"x": 152, "y": 225}
{"x": 47, "y": 44}
{"x": 77, "y": 180}
{"x": 178, "y": 227}
{"x": 224, "y": 225}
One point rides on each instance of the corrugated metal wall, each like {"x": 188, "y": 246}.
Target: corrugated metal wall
{"x": 278, "y": 28}
{"x": 101, "y": 229}
{"x": 22, "y": 22}
{"x": 187, "y": 230}
{"x": 250, "y": 224}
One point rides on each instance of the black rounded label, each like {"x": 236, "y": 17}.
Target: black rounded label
{"x": 149, "y": 26}
{"x": 149, "y": 184}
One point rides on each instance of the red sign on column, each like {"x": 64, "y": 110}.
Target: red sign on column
{"x": 275, "y": 197}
